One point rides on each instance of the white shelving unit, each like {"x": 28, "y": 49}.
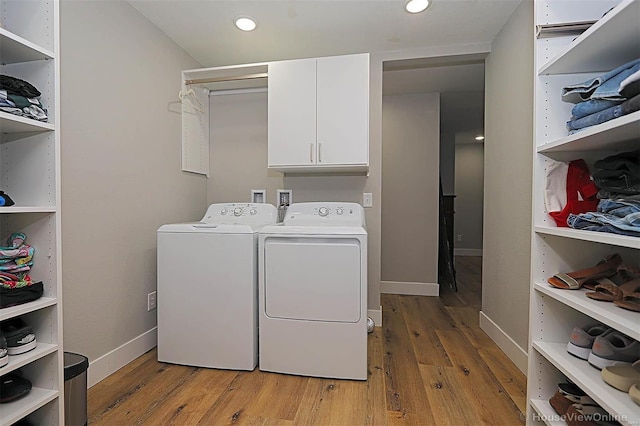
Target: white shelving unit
{"x": 612, "y": 41}
{"x": 30, "y": 175}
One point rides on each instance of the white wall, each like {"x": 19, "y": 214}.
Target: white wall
{"x": 410, "y": 187}
{"x": 508, "y": 167}
{"x": 238, "y": 149}
{"x": 469, "y": 183}
{"x": 121, "y": 177}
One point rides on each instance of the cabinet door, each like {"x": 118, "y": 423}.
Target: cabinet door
{"x": 343, "y": 110}
{"x": 292, "y": 113}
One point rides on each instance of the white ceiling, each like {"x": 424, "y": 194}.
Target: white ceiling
{"x": 289, "y": 29}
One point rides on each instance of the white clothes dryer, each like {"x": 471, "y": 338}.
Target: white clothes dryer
{"x": 208, "y": 289}
{"x": 312, "y": 278}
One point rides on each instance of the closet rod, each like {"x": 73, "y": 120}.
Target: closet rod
{"x": 230, "y": 78}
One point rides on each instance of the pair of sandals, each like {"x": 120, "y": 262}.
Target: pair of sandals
{"x": 576, "y": 407}
{"x": 610, "y": 280}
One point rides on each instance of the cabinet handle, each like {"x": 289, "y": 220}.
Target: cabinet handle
{"x": 319, "y": 152}
{"x": 311, "y": 152}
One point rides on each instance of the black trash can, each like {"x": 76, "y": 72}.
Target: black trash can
{"x": 75, "y": 389}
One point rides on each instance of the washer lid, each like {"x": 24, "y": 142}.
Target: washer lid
{"x": 229, "y": 218}
{"x": 208, "y": 228}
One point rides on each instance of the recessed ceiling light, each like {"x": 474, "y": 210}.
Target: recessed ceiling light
{"x": 416, "y": 6}
{"x": 246, "y": 23}
{"x": 479, "y": 138}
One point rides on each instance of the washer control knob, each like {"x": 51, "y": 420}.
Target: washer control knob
{"x": 223, "y": 212}
{"x": 237, "y": 211}
{"x": 339, "y": 210}
{"x": 253, "y": 212}
{"x": 323, "y": 211}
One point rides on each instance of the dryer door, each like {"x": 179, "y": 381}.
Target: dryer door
{"x": 313, "y": 278}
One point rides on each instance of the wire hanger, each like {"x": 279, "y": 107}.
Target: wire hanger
{"x": 188, "y": 97}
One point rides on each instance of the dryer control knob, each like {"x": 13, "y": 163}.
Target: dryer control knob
{"x": 223, "y": 212}
{"x": 323, "y": 211}
{"x": 237, "y": 211}
{"x": 253, "y": 212}
{"x": 339, "y": 210}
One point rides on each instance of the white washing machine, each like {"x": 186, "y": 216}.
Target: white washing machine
{"x": 312, "y": 286}
{"x": 208, "y": 287}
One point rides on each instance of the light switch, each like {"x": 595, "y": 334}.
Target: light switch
{"x": 367, "y": 199}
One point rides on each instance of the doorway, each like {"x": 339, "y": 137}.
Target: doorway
{"x": 411, "y": 92}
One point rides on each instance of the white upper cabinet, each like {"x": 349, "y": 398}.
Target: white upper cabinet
{"x": 319, "y": 114}
{"x": 292, "y": 113}
{"x": 343, "y": 110}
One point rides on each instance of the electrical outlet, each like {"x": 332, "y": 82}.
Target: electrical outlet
{"x": 459, "y": 237}
{"x": 151, "y": 301}
{"x": 367, "y": 199}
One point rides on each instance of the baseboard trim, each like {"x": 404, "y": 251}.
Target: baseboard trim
{"x": 376, "y": 316}
{"x": 414, "y": 289}
{"x": 467, "y": 252}
{"x": 112, "y": 361}
{"x": 504, "y": 342}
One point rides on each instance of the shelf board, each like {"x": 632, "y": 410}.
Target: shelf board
{"x": 229, "y": 77}
{"x": 596, "y": 237}
{"x": 546, "y": 413}
{"x": 25, "y": 308}
{"x": 15, "y": 49}
{"x": 627, "y": 322}
{"x": 11, "y": 123}
{"x": 28, "y": 209}
{"x": 617, "y": 134}
{"x": 588, "y": 378}
{"x": 17, "y": 361}
{"x": 612, "y": 41}
{"x": 13, "y": 411}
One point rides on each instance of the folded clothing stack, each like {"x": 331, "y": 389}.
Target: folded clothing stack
{"x": 618, "y": 211}
{"x": 611, "y": 95}
{"x": 16, "y": 259}
{"x": 569, "y": 189}
{"x": 21, "y": 98}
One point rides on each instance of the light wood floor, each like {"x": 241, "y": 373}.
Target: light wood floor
{"x": 429, "y": 364}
